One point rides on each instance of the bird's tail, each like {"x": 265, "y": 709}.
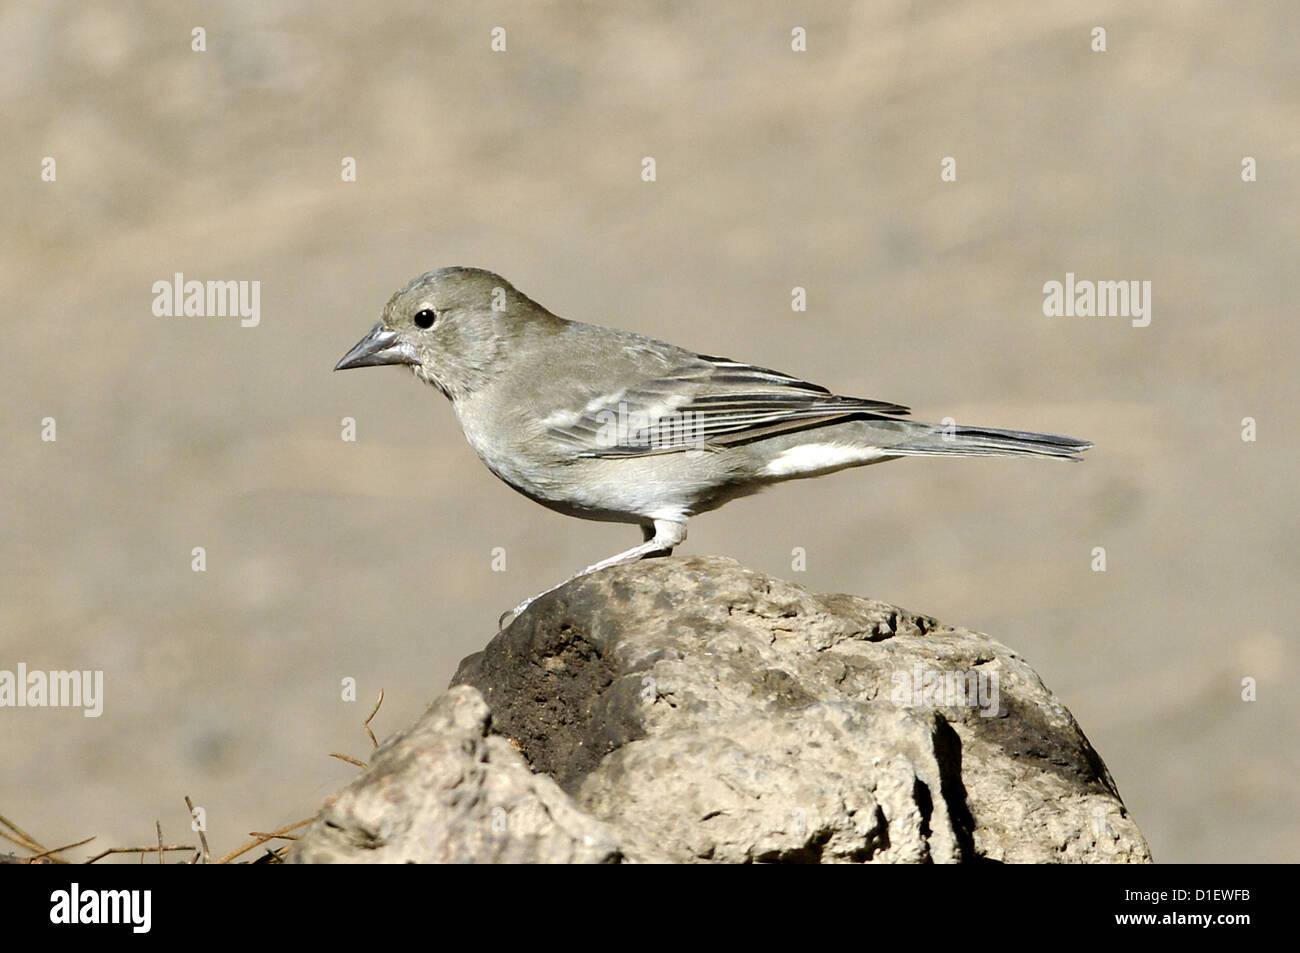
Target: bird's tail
{"x": 936, "y": 440}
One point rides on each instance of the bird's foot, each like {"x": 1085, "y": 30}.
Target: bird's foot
{"x": 511, "y": 614}
{"x": 660, "y": 542}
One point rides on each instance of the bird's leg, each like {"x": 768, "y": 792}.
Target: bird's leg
{"x": 659, "y": 541}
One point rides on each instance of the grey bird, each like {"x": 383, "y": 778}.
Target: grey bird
{"x": 610, "y": 425}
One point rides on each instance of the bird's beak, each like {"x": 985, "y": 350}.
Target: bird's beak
{"x": 380, "y": 346}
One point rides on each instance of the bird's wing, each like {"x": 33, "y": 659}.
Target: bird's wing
{"x": 707, "y": 402}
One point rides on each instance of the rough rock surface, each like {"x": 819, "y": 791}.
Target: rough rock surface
{"x": 693, "y": 710}
{"x": 447, "y": 791}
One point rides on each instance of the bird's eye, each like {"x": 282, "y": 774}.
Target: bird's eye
{"x": 425, "y": 317}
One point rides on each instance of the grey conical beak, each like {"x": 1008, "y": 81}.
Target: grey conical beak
{"x": 380, "y": 346}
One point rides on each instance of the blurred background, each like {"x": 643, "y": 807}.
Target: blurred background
{"x": 372, "y": 559}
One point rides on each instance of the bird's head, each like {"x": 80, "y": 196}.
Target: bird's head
{"x": 454, "y": 327}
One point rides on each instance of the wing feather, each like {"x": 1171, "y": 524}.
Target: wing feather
{"x": 710, "y": 402}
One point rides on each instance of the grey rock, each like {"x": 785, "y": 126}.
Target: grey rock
{"x": 690, "y": 710}
{"x": 447, "y": 791}
{"x": 709, "y": 713}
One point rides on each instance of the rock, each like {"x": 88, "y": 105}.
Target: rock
{"x": 691, "y": 710}
{"x": 446, "y": 791}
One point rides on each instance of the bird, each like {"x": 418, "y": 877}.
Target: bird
{"x": 610, "y": 425}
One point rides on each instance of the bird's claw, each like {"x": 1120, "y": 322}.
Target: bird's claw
{"x": 510, "y": 615}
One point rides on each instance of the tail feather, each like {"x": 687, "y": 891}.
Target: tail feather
{"x": 936, "y": 441}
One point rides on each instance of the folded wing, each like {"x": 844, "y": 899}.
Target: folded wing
{"x": 708, "y": 402}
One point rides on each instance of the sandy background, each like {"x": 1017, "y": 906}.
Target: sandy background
{"x": 372, "y": 560}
